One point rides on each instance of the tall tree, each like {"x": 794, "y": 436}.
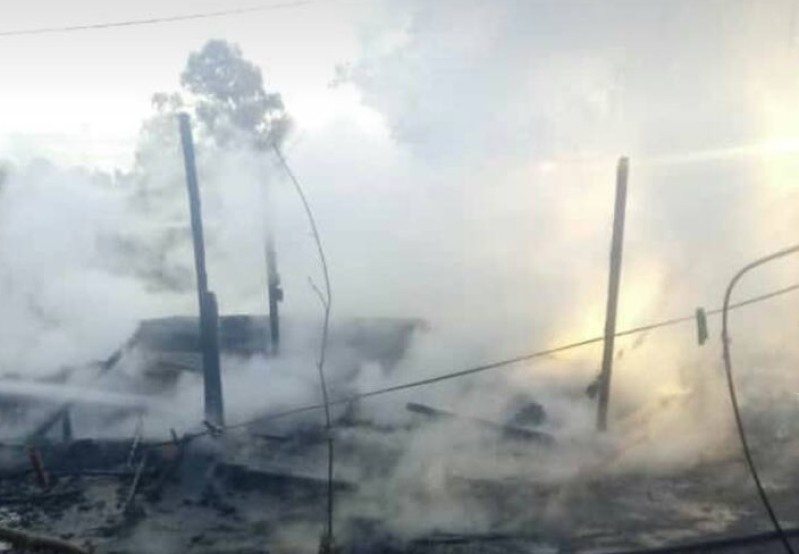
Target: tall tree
{"x": 232, "y": 111}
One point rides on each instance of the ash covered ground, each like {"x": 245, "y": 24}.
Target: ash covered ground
{"x": 410, "y": 476}
{"x": 249, "y": 493}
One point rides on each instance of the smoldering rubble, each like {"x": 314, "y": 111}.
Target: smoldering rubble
{"x": 501, "y": 249}
{"x": 421, "y": 471}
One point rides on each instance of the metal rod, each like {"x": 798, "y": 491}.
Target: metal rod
{"x": 613, "y": 293}
{"x": 209, "y": 324}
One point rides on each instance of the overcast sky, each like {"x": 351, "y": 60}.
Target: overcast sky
{"x": 473, "y": 122}
{"x": 83, "y": 95}
{"x": 92, "y": 88}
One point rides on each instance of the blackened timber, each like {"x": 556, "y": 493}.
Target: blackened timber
{"x": 169, "y": 471}
{"x": 62, "y": 413}
{"x": 507, "y": 431}
{"x": 25, "y": 541}
{"x": 134, "y": 486}
{"x": 44, "y": 427}
{"x": 44, "y": 497}
{"x": 209, "y": 316}
{"x": 38, "y": 467}
{"x": 275, "y": 294}
{"x": 617, "y": 243}
{"x": 209, "y": 330}
{"x": 242, "y": 477}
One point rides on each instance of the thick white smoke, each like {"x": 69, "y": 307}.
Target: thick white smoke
{"x": 474, "y": 191}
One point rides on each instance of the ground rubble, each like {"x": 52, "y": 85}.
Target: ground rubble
{"x": 196, "y": 496}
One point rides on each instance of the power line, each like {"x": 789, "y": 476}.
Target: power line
{"x": 489, "y": 366}
{"x": 725, "y": 339}
{"x": 509, "y": 361}
{"x": 159, "y": 20}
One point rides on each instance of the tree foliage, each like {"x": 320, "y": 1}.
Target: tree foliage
{"x": 232, "y": 112}
{"x": 230, "y": 100}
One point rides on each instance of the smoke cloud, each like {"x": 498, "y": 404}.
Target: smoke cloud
{"x": 469, "y": 184}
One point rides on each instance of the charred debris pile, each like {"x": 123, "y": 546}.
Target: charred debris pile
{"x": 239, "y": 484}
{"x": 221, "y": 488}
{"x": 267, "y": 484}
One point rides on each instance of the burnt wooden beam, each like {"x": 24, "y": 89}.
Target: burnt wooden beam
{"x": 127, "y": 507}
{"x": 507, "y": 431}
{"x": 25, "y": 541}
{"x": 169, "y": 471}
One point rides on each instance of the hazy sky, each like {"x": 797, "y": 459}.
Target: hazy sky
{"x": 507, "y": 118}
{"x": 83, "y": 95}
{"x": 464, "y": 176}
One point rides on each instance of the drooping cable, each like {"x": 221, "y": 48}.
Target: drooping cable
{"x": 509, "y": 361}
{"x": 725, "y": 339}
{"x": 497, "y": 364}
{"x": 326, "y": 300}
{"x": 157, "y": 20}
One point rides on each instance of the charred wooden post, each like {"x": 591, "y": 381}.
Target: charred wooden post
{"x": 209, "y": 331}
{"x": 42, "y": 478}
{"x": 275, "y": 293}
{"x": 616, "y": 248}
{"x": 195, "y": 206}
{"x": 25, "y": 541}
{"x": 209, "y": 316}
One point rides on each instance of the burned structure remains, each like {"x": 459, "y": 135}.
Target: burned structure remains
{"x": 260, "y": 485}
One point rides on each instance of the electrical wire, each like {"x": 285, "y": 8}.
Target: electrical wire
{"x": 472, "y": 370}
{"x": 508, "y": 361}
{"x": 486, "y": 367}
{"x": 158, "y": 20}
{"x": 326, "y": 301}
{"x": 725, "y": 339}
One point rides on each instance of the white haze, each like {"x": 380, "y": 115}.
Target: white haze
{"x": 475, "y": 192}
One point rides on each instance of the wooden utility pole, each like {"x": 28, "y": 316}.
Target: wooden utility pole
{"x": 209, "y": 313}
{"x": 616, "y": 248}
